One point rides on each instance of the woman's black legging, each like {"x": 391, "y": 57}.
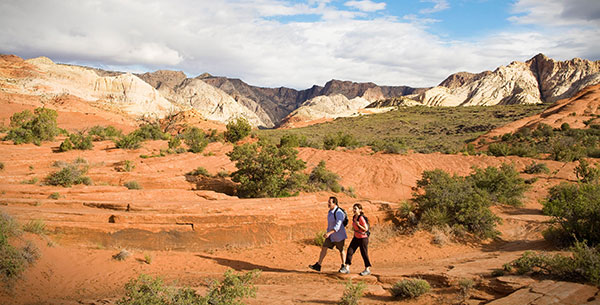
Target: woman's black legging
{"x": 363, "y": 244}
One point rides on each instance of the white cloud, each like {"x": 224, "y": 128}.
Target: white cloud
{"x": 439, "y": 6}
{"x": 247, "y": 39}
{"x": 366, "y": 5}
{"x": 557, "y": 12}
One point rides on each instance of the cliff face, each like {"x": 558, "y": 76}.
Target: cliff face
{"x": 41, "y": 77}
{"x": 539, "y": 80}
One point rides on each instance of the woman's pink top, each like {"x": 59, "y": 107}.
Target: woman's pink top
{"x": 358, "y": 232}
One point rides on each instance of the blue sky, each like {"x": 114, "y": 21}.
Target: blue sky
{"x": 299, "y": 43}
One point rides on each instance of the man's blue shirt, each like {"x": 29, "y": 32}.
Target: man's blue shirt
{"x": 335, "y": 223}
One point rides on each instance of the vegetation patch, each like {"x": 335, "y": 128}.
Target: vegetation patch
{"x": 36, "y": 226}
{"x": 77, "y": 141}
{"x": 352, "y": 293}
{"x": 148, "y": 290}
{"x": 36, "y": 127}
{"x": 13, "y": 260}
{"x": 265, "y": 170}
{"x": 560, "y": 144}
{"x": 132, "y": 185}
{"x": 409, "y": 289}
{"x": 237, "y": 129}
{"x": 422, "y": 129}
{"x": 582, "y": 266}
{"x": 69, "y": 174}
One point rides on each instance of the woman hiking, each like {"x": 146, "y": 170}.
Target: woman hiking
{"x": 360, "y": 224}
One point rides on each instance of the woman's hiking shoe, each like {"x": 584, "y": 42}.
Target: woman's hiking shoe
{"x": 344, "y": 270}
{"x": 315, "y": 267}
{"x": 365, "y": 272}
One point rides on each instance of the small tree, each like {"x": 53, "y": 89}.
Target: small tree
{"x": 37, "y": 127}
{"x": 237, "y": 129}
{"x": 323, "y": 179}
{"x": 264, "y": 169}
{"x": 195, "y": 139}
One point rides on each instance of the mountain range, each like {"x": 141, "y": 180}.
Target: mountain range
{"x": 538, "y": 80}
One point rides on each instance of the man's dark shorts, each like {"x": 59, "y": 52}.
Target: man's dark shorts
{"x": 330, "y": 244}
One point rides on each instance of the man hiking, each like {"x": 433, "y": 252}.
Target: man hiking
{"x": 335, "y": 235}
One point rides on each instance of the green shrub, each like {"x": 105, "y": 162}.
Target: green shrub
{"x": 587, "y": 174}
{"x": 237, "y": 129}
{"x": 389, "y": 146}
{"x": 129, "y": 141}
{"x": 33, "y": 128}
{"x": 13, "y": 260}
{"x": 100, "y": 133}
{"x": 125, "y": 166}
{"x": 223, "y": 174}
{"x": 319, "y": 238}
{"x": 147, "y": 258}
{"x": 195, "y": 139}
{"x": 536, "y": 168}
{"x": 499, "y": 149}
{"x": 66, "y": 145}
{"x": 54, "y": 195}
{"x": 69, "y": 174}
{"x": 174, "y": 142}
{"x": 453, "y": 200}
{"x": 409, "y": 289}
{"x": 132, "y": 185}
{"x": 575, "y": 208}
{"x": 150, "y": 132}
{"x": 200, "y": 171}
{"x": 332, "y": 141}
{"x": 264, "y": 169}
{"x": 289, "y": 139}
{"x": 503, "y": 184}
{"x": 352, "y": 293}
{"x": 36, "y": 226}
{"x": 33, "y": 180}
{"x": 583, "y": 265}
{"x": 233, "y": 288}
{"x": 324, "y": 180}
{"x": 146, "y": 290}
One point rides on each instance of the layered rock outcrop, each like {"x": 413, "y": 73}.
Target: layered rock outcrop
{"x": 538, "y": 80}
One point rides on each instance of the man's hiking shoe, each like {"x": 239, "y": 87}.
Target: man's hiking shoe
{"x": 365, "y": 272}
{"x": 315, "y": 267}
{"x": 344, "y": 270}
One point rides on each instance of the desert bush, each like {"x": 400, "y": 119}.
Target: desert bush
{"x": 200, "y": 171}
{"x": 129, "y": 141}
{"x": 409, "y": 289}
{"x": 289, "y": 139}
{"x": 13, "y": 260}
{"x": 195, "y": 139}
{"x": 586, "y": 173}
{"x": 575, "y": 208}
{"x": 566, "y": 149}
{"x": 319, "y": 239}
{"x": 536, "y": 168}
{"x": 33, "y": 180}
{"x": 69, "y": 174}
{"x": 352, "y": 293}
{"x": 100, "y": 133}
{"x": 146, "y": 290}
{"x": 1, "y": 166}
{"x": 237, "y": 129}
{"x": 147, "y": 258}
{"x": 36, "y": 226}
{"x": 465, "y": 285}
{"x": 502, "y": 184}
{"x": 499, "y": 149}
{"x": 324, "y": 180}
{"x": 77, "y": 141}
{"x": 453, "y": 200}
{"x": 223, "y": 174}
{"x": 151, "y": 131}
{"x": 264, "y": 169}
{"x": 125, "y": 166}
{"x": 389, "y": 146}
{"x": 174, "y": 142}
{"x": 54, "y": 195}
{"x": 33, "y": 128}
{"x": 582, "y": 265}
{"x": 132, "y": 185}
{"x": 332, "y": 141}
{"x": 122, "y": 255}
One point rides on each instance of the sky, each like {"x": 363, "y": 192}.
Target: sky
{"x": 300, "y": 43}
